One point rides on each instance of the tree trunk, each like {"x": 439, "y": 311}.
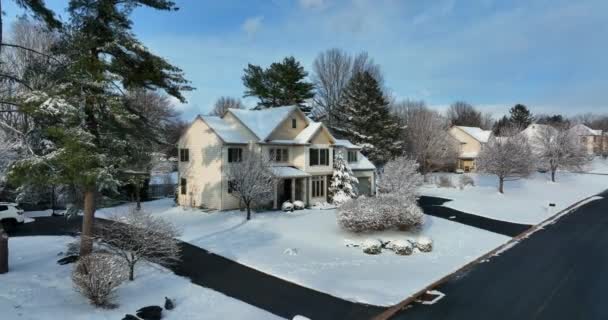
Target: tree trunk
{"x": 86, "y": 237}
{"x": 553, "y": 175}
{"x": 248, "y": 212}
{"x": 501, "y": 183}
{"x": 138, "y": 196}
{"x": 131, "y": 271}
{"x": 53, "y": 200}
{"x": 3, "y": 251}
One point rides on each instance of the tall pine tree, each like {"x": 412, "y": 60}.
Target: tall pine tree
{"x": 366, "y": 120}
{"x": 87, "y": 124}
{"x": 520, "y": 116}
{"x": 282, "y": 84}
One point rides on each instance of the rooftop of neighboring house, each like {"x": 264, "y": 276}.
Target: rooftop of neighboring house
{"x": 533, "y": 130}
{"x": 477, "y": 133}
{"x": 583, "y": 130}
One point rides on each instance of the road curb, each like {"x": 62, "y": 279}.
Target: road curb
{"x": 391, "y": 311}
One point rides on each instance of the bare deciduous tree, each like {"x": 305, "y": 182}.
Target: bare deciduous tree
{"x": 426, "y": 137}
{"x": 139, "y": 236}
{"x": 251, "y": 180}
{"x": 223, "y": 104}
{"x": 332, "y": 71}
{"x": 400, "y": 177}
{"x": 508, "y": 157}
{"x": 462, "y": 113}
{"x": 558, "y": 148}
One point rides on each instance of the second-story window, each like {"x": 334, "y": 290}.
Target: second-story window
{"x": 279, "y": 154}
{"x": 319, "y": 157}
{"x": 352, "y": 156}
{"x": 235, "y": 155}
{"x": 184, "y": 155}
{"x": 294, "y": 123}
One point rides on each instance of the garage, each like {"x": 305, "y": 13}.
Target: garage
{"x": 364, "y": 186}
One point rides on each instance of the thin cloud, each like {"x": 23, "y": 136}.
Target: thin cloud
{"x": 252, "y": 25}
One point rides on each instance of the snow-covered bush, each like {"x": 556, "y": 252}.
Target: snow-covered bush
{"x": 464, "y": 181}
{"x": 445, "y": 182}
{"x": 287, "y": 206}
{"x": 372, "y": 246}
{"x": 343, "y": 181}
{"x": 424, "y": 244}
{"x": 97, "y": 275}
{"x": 379, "y": 213}
{"x": 400, "y": 176}
{"x": 298, "y": 205}
{"x": 401, "y": 247}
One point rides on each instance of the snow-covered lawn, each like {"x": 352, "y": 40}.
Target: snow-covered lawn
{"x": 38, "y": 288}
{"x": 599, "y": 165}
{"x": 307, "y": 247}
{"x": 524, "y": 201}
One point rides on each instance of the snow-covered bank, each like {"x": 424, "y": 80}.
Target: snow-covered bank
{"x": 524, "y": 201}
{"x": 307, "y": 247}
{"x": 38, "y": 288}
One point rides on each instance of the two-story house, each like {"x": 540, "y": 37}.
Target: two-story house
{"x": 301, "y": 152}
{"x": 469, "y": 140}
{"x": 593, "y": 141}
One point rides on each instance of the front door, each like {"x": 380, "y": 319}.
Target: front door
{"x": 285, "y": 191}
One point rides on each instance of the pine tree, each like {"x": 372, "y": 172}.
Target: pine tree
{"x": 281, "y": 84}
{"x": 365, "y": 119}
{"x": 343, "y": 182}
{"x": 520, "y": 116}
{"x": 88, "y": 126}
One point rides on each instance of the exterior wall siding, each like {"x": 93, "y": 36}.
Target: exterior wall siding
{"x": 285, "y": 131}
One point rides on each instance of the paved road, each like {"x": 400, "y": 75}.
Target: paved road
{"x": 264, "y": 291}
{"x": 432, "y": 206}
{"x": 558, "y": 273}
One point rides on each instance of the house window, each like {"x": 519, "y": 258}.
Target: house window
{"x": 318, "y": 187}
{"x": 184, "y": 155}
{"x": 231, "y": 186}
{"x": 294, "y": 123}
{"x": 279, "y": 154}
{"x": 319, "y": 157}
{"x": 235, "y": 155}
{"x": 183, "y": 186}
{"x": 352, "y": 156}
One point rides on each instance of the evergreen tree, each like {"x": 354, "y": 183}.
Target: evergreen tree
{"x": 87, "y": 125}
{"x": 501, "y": 125}
{"x": 282, "y": 84}
{"x": 343, "y": 182}
{"x": 520, "y": 116}
{"x": 366, "y": 120}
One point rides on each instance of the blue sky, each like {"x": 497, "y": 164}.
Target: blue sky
{"x": 551, "y": 55}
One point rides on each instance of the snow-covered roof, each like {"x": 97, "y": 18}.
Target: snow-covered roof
{"x": 469, "y": 155}
{"x": 288, "y": 172}
{"x": 285, "y": 142}
{"x": 583, "y": 130}
{"x": 163, "y": 178}
{"x": 305, "y": 135}
{"x": 262, "y": 122}
{"x": 477, "y": 133}
{"x": 346, "y": 144}
{"x": 362, "y": 163}
{"x": 228, "y": 132}
{"x": 532, "y": 131}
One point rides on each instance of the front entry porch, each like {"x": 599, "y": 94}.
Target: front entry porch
{"x": 291, "y": 185}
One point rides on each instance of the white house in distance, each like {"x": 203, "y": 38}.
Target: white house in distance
{"x": 302, "y": 153}
{"x": 593, "y": 140}
{"x": 470, "y": 141}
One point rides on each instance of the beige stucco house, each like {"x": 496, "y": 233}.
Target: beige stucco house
{"x": 470, "y": 141}
{"x": 594, "y": 141}
{"x": 302, "y": 153}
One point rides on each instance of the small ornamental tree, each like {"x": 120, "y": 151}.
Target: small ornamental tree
{"x": 400, "y": 177}
{"x": 557, "y": 148}
{"x": 139, "y": 236}
{"x": 96, "y": 276}
{"x": 250, "y": 180}
{"x": 343, "y": 182}
{"x": 508, "y": 157}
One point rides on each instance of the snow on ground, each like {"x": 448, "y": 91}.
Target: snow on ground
{"x": 599, "y": 165}
{"x": 524, "y": 201}
{"x": 307, "y": 247}
{"x": 38, "y": 288}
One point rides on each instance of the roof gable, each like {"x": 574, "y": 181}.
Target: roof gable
{"x": 476, "y": 133}
{"x": 263, "y": 122}
{"x": 229, "y": 133}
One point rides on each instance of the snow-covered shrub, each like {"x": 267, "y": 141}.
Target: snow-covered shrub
{"x": 379, "y": 213}
{"x": 287, "y": 206}
{"x": 400, "y": 176}
{"x": 97, "y": 275}
{"x": 464, "y": 181}
{"x": 343, "y": 181}
{"x": 424, "y": 244}
{"x": 445, "y": 182}
{"x": 372, "y": 246}
{"x": 298, "y": 205}
{"x": 401, "y": 247}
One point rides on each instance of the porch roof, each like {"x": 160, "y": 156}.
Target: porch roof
{"x": 289, "y": 172}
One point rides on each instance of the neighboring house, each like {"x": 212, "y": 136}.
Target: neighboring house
{"x": 593, "y": 140}
{"x": 301, "y": 152}
{"x": 469, "y": 140}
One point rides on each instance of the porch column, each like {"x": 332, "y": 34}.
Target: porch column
{"x": 307, "y": 197}
{"x": 275, "y": 191}
{"x": 293, "y": 190}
